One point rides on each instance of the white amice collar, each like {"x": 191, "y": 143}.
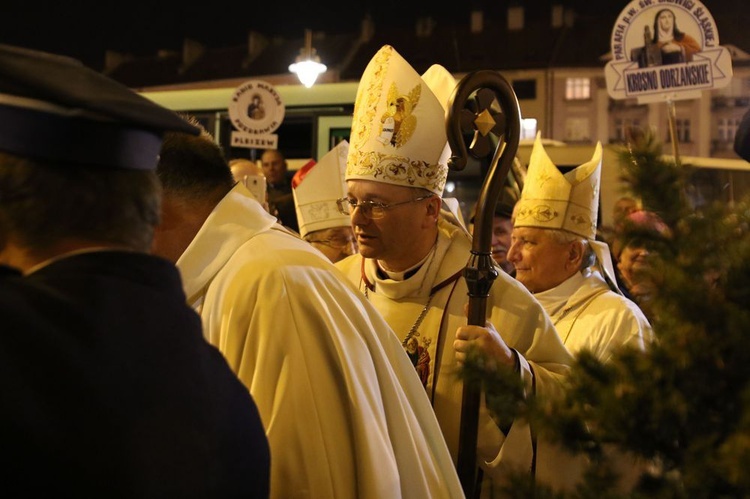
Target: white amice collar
{"x": 554, "y": 299}
{"x": 417, "y": 281}
{"x": 402, "y": 275}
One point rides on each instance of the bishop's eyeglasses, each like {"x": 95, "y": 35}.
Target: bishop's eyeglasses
{"x": 371, "y": 209}
{"x": 340, "y": 243}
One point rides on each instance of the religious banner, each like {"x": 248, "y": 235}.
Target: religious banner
{"x": 666, "y": 50}
{"x": 255, "y": 111}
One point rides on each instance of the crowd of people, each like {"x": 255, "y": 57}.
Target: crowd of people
{"x": 170, "y": 332}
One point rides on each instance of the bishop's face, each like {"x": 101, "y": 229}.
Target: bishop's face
{"x": 405, "y": 230}
{"x": 335, "y": 242}
{"x": 542, "y": 262}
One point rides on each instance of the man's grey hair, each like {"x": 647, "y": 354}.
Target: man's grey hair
{"x": 565, "y": 237}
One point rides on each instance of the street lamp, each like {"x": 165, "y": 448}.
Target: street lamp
{"x": 307, "y": 65}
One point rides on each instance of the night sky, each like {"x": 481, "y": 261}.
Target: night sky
{"x": 85, "y": 29}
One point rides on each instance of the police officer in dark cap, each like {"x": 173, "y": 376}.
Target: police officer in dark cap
{"x": 107, "y": 387}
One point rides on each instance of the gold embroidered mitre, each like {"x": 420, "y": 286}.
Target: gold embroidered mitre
{"x": 553, "y": 200}
{"x": 398, "y": 128}
{"x": 316, "y": 187}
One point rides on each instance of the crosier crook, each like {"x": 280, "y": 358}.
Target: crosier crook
{"x": 480, "y": 271}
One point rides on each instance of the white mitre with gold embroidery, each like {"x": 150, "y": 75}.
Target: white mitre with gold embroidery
{"x": 398, "y": 129}
{"x": 553, "y": 200}
{"x": 316, "y": 187}
{"x": 568, "y": 201}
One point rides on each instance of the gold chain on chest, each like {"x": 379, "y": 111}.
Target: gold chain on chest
{"x": 413, "y": 330}
{"x": 415, "y": 327}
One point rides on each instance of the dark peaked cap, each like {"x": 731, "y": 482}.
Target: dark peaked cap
{"x": 55, "y": 108}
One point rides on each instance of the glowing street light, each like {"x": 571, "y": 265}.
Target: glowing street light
{"x": 307, "y": 65}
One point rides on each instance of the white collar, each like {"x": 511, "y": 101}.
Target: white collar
{"x": 555, "y": 299}
{"x": 401, "y": 276}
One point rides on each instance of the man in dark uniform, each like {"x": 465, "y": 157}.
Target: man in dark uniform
{"x": 107, "y": 387}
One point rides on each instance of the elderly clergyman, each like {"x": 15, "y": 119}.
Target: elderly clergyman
{"x": 558, "y": 259}
{"x": 316, "y": 188}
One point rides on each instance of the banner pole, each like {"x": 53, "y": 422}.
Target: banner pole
{"x": 673, "y": 130}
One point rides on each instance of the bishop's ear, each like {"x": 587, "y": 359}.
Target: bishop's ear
{"x": 576, "y": 252}
{"x": 432, "y": 210}
{"x": 434, "y": 205}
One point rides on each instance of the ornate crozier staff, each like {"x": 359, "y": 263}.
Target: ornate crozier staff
{"x": 471, "y": 111}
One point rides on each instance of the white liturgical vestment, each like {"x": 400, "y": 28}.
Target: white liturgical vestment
{"x": 344, "y": 413}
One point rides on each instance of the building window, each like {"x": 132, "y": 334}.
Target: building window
{"x": 728, "y": 129}
{"x": 577, "y": 129}
{"x": 515, "y": 18}
{"x": 577, "y": 88}
{"x": 683, "y": 130}
{"x": 524, "y": 89}
{"x": 623, "y": 126}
